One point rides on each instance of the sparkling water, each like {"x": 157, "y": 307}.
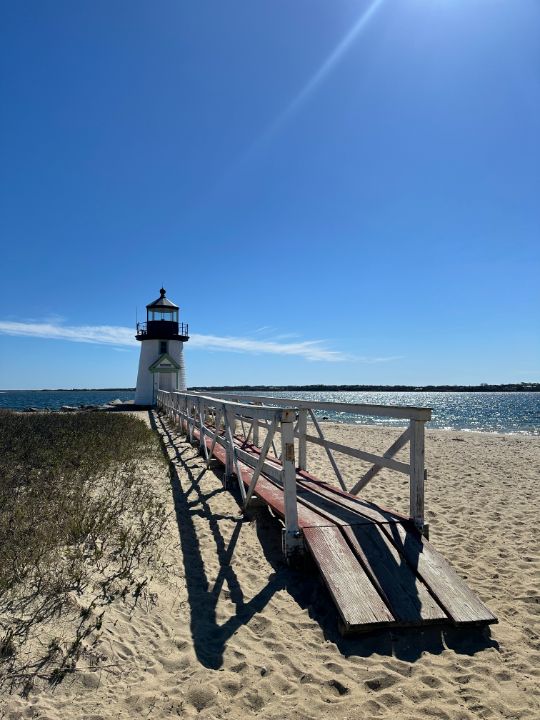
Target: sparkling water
{"x": 501, "y": 412}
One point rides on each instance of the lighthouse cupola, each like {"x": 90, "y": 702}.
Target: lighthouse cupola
{"x": 162, "y": 321}
{"x": 161, "y": 362}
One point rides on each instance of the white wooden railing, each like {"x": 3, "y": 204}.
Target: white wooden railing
{"x": 217, "y": 416}
{"x": 413, "y": 434}
{"x": 217, "y": 420}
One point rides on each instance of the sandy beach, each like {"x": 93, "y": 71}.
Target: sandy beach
{"x": 227, "y": 630}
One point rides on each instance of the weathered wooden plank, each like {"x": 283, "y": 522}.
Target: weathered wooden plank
{"x": 405, "y": 593}
{"x": 378, "y": 513}
{"x": 397, "y": 565}
{"x": 364, "y": 510}
{"x": 356, "y": 599}
{"x": 361, "y": 507}
{"x": 328, "y": 508}
{"x": 452, "y": 593}
{"x": 302, "y": 475}
{"x": 271, "y": 493}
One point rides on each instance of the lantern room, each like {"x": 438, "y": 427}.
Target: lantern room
{"x": 162, "y": 321}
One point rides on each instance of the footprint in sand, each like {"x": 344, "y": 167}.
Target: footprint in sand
{"x": 339, "y": 687}
{"x": 239, "y": 667}
{"x": 231, "y": 687}
{"x": 381, "y": 682}
{"x": 253, "y": 700}
{"x": 201, "y": 697}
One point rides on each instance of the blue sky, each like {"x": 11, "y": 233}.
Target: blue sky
{"x": 333, "y": 192}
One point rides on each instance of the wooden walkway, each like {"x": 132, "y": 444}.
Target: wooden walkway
{"x": 378, "y": 568}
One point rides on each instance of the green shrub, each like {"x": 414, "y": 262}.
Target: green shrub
{"x": 76, "y": 518}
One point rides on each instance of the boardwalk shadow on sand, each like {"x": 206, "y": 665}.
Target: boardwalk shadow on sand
{"x": 303, "y": 585}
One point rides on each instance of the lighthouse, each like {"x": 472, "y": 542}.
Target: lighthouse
{"x": 161, "y": 363}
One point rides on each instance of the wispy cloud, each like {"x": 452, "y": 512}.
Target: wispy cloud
{"x": 308, "y": 349}
{"x": 97, "y": 334}
{"x": 122, "y": 337}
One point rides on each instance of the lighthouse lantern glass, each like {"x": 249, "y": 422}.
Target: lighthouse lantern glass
{"x": 163, "y": 314}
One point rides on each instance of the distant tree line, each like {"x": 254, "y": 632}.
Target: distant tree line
{"x": 484, "y": 387}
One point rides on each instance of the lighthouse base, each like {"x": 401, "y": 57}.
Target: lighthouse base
{"x": 165, "y": 371}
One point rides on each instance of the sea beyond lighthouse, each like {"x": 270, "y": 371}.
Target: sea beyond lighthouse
{"x": 497, "y": 412}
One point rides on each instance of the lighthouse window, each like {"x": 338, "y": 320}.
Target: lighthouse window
{"x": 162, "y": 347}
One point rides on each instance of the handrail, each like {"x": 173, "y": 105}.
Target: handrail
{"x": 414, "y": 435}
{"x": 264, "y": 412}
{"x": 216, "y": 419}
{"x": 246, "y": 409}
{"x": 393, "y": 411}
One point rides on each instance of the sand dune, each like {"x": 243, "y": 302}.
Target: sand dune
{"x": 228, "y": 631}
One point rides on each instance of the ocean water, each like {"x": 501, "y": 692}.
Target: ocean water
{"x": 485, "y": 412}
{"x": 54, "y": 399}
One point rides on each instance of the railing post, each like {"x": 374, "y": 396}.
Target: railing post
{"x": 201, "y": 426}
{"x": 302, "y": 442}
{"x": 182, "y": 408}
{"x": 293, "y": 543}
{"x": 417, "y": 474}
{"x": 229, "y": 418}
{"x": 191, "y": 421}
{"x": 256, "y": 429}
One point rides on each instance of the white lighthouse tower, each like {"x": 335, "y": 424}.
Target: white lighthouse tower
{"x": 162, "y": 338}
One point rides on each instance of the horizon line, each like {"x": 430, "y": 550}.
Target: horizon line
{"x": 342, "y": 386}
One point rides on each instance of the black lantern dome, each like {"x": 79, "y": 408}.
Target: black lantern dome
{"x": 162, "y": 321}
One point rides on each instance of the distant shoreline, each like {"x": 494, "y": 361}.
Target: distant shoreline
{"x": 509, "y": 387}
{"x": 514, "y": 387}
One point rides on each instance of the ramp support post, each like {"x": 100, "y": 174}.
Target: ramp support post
{"x": 293, "y": 543}
{"x": 256, "y": 429}
{"x": 202, "y": 444}
{"x": 417, "y": 473}
{"x": 302, "y": 442}
{"x": 190, "y": 407}
{"x": 229, "y": 418}
{"x": 185, "y": 424}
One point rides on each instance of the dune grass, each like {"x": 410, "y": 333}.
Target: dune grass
{"x": 78, "y": 529}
